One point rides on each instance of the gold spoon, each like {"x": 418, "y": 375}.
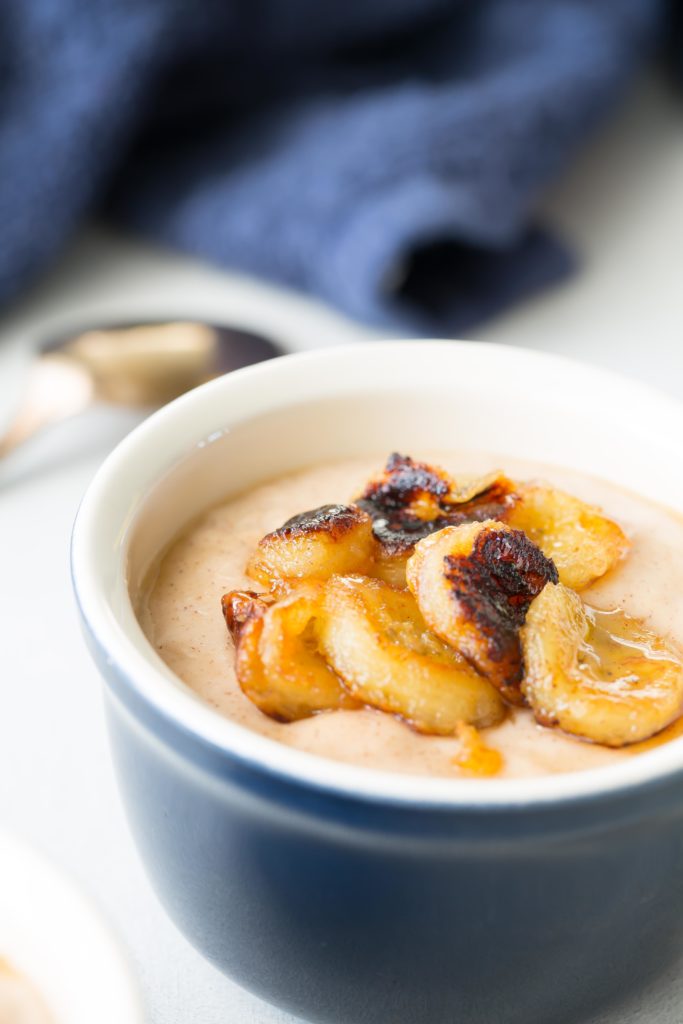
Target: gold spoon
{"x": 142, "y": 365}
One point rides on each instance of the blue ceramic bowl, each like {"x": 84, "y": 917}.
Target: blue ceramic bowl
{"x": 349, "y": 895}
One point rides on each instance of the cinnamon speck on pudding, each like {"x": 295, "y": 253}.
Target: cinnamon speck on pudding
{"x": 436, "y": 616}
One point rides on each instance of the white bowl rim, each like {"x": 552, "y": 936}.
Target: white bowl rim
{"x": 66, "y": 911}
{"x": 152, "y": 680}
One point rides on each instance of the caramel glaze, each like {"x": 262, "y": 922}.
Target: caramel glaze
{"x": 241, "y": 605}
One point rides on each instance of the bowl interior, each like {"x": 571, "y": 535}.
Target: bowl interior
{"x": 286, "y": 414}
{"x": 264, "y": 446}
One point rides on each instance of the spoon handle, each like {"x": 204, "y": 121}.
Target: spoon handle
{"x": 58, "y": 388}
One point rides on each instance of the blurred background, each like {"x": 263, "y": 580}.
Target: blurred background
{"x": 309, "y": 173}
{"x": 503, "y": 170}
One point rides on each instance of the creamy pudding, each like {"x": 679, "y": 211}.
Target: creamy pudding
{"x": 180, "y": 611}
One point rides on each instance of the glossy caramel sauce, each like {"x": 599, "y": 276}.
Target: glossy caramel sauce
{"x": 619, "y": 651}
{"x": 181, "y": 615}
{"x": 473, "y": 756}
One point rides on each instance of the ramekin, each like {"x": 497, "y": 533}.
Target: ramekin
{"x": 340, "y": 893}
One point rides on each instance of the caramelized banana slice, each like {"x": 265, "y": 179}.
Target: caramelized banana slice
{"x": 599, "y": 675}
{"x": 390, "y": 566}
{"x": 314, "y": 545}
{"x": 474, "y": 584}
{"x": 582, "y": 542}
{"x": 376, "y": 639}
{"x": 241, "y": 605}
{"x": 411, "y": 500}
{"x": 278, "y": 664}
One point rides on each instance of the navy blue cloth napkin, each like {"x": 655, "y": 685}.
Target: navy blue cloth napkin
{"x": 385, "y": 155}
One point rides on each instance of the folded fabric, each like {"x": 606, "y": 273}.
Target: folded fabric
{"x": 673, "y": 35}
{"x": 385, "y": 155}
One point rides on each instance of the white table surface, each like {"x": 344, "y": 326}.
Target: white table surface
{"x": 621, "y": 205}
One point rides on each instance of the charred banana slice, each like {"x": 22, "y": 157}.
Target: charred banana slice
{"x": 314, "y": 545}
{"x": 410, "y": 500}
{"x": 599, "y": 675}
{"x": 377, "y": 641}
{"x": 582, "y": 542}
{"x": 473, "y": 585}
{"x": 277, "y": 661}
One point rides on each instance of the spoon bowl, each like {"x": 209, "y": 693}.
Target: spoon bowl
{"x": 145, "y": 365}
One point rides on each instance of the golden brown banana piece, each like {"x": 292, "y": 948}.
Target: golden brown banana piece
{"x": 473, "y": 585}
{"x": 241, "y": 605}
{"x": 410, "y": 500}
{"x": 377, "y": 641}
{"x": 599, "y": 675}
{"x": 582, "y": 542}
{"x": 277, "y": 661}
{"x": 314, "y": 545}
